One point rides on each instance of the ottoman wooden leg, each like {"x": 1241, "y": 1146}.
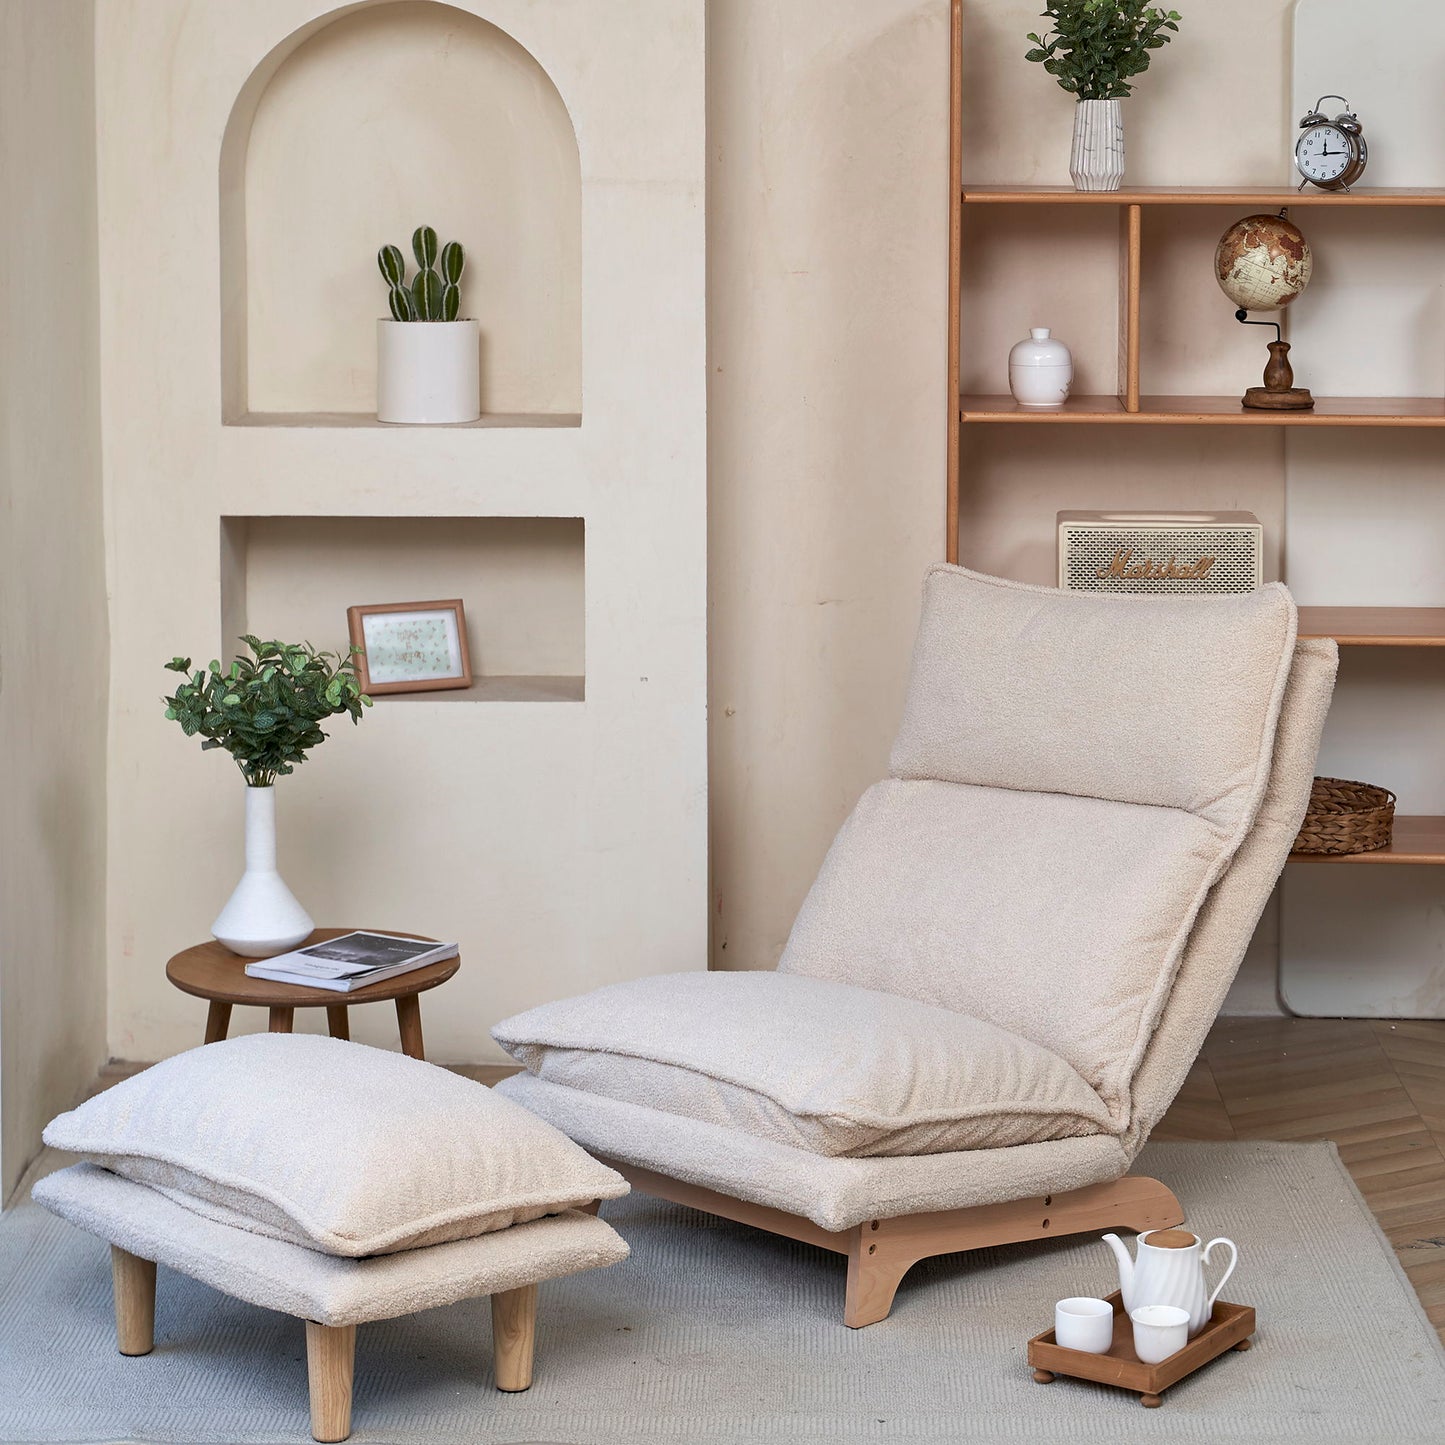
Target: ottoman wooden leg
{"x": 330, "y": 1364}
{"x": 134, "y": 1282}
{"x": 514, "y": 1328}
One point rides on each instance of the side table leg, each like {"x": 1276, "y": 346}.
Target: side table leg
{"x": 280, "y": 1020}
{"x": 218, "y": 1021}
{"x": 408, "y": 1020}
{"x": 338, "y": 1025}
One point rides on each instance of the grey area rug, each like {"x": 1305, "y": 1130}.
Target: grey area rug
{"x": 712, "y": 1332}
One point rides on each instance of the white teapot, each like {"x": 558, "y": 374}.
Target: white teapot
{"x": 1170, "y": 1271}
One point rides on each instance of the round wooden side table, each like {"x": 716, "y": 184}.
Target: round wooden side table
{"x": 212, "y": 972}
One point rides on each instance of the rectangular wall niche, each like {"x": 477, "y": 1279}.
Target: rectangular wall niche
{"x": 521, "y": 580}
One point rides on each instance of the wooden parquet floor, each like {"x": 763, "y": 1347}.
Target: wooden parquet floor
{"x": 1374, "y": 1086}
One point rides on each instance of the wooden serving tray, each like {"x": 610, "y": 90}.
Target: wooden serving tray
{"x": 1229, "y": 1328}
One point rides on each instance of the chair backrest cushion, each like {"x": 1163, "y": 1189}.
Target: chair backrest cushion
{"x": 1169, "y": 701}
{"x": 1073, "y": 774}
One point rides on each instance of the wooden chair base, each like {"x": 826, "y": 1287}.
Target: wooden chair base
{"x": 330, "y": 1349}
{"x": 881, "y": 1251}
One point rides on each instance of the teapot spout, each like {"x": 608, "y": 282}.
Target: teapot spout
{"x": 1126, "y": 1268}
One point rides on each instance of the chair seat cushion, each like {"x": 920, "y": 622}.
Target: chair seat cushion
{"x": 280, "y": 1276}
{"x": 332, "y": 1146}
{"x": 817, "y": 1065}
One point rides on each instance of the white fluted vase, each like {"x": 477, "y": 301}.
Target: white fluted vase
{"x": 262, "y": 916}
{"x": 1097, "y": 160}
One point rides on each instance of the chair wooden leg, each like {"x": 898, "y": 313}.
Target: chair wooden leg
{"x": 875, "y": 1269}
{"x": 134, "y": 1282}
{"x": 330, "y": 1366}
{"x": 514, "y": 1328}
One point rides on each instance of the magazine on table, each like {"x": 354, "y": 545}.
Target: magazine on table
{"x": 350, "y": 961}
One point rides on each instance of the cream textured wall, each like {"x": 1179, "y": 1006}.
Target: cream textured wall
{"x": 562, "y": 843}
{"x": 53, "y": 643}
{"x": 827, "y": 136}
{"x": 828, "y": 128}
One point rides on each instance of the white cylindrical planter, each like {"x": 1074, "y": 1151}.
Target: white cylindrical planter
{"x": 1097, "y": 161}
{"x": 426, "y": 371}
{"x": 262, "y": 916}
{"x": 1040, "y": 371}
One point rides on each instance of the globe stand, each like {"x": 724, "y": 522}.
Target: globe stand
{"x": 1279, "y": 393}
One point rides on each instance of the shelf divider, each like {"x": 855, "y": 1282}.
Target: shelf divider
{"x": 1375, "y": 626}
{"x": 1204, "y": 196}
{"x": 1356, "y": 411}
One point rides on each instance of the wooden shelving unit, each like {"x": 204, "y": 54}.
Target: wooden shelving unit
{"x": 1417, "y": 840}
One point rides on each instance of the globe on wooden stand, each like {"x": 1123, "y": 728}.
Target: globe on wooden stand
{"x": 1262, "y": 263}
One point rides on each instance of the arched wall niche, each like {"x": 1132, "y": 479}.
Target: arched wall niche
{"x": 357, "y": 128}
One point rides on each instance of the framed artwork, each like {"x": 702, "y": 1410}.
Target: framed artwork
{"x": 410, "y": 646}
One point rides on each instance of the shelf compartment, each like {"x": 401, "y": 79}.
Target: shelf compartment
{"x": 1375, "y": 626}
{"x": 522, "y": 580}
{"x": 1358, "y": 411}
{"x": 1270, "y": 196}
{"x": 1414, "y": 840}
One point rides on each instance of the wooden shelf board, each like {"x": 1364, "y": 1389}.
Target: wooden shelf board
{"x": 1414, "y": 840}
{"x": 1270, "y": 196}
{"x": 499, "y": 689}
{"x": 1412, "y": 411}
{"x": 1375, "y": 626}
{"x": 492, "y": 420}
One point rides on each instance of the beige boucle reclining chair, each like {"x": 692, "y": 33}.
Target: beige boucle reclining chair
{"x": 1010, "y": 959}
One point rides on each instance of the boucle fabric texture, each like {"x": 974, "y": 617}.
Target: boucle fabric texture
{"x": 1053, "y": 917}
{"x": 1169, "y": 701}
{"x": 322, "y": 1287}
{"x": 1095, "y": 763}
{"x": 1226, "y": 923}
{"x": 834, "y": 1193}
{"x": 814, "y": 1064}
{"x": 331, "y": 1145}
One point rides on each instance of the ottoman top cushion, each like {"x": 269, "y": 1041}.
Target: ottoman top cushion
{"x": 332, "y": 1145}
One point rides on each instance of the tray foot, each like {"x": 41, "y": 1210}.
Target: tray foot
{"x": 1043, "y": 1376}
{"x": 1151, "y": 1402}
{"x": 1243, "y": 1345}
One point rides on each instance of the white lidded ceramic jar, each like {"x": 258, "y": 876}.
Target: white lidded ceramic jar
{"x": 427, "y": 371}
{"x": 1040, "y": 371}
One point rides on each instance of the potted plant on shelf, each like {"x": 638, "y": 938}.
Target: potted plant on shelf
{"x": 266, "y": 711}
{"x": 426, "y": 352}
{"x": 1093, "y": 48}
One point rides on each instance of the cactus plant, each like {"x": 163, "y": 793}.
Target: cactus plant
{"x": 433, "y": 295}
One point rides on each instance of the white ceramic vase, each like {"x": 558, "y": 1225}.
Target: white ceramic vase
{"x": 1097, "y": 160}
{"x": 1040, "y": 371}
{"x": 427, "y": 371}
{"x": 262, "y": 916}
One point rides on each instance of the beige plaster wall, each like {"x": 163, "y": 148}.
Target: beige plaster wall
{"x": 828, "y": 261}
{"x": 53, "y": 635}
{"x": 562, "y": 842}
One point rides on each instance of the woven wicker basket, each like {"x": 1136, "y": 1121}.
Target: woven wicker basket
{"x": 1346, "y": 817}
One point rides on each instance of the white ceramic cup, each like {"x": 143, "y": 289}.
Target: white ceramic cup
{"x": 1159, "y": 1331}
{"x": 1084, "y": 1324}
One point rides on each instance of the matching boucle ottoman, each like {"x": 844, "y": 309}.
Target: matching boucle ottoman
{"x": 335, "y": 1183}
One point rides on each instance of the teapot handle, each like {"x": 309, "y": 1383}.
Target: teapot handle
{"x": 1233, "y": 1260}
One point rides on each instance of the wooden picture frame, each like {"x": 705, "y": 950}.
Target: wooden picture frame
{"x": 440, "y": 659}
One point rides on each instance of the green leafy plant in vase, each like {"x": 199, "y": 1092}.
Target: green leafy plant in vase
{"x": 1095, "y": 49}
{"x": 266, "y": 710}
{"x": 427, "y": 367}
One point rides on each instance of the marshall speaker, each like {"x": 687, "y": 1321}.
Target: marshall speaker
{"x": 1160, "y": 553}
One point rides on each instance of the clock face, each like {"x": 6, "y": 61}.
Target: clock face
{"x": 1324, "y": 153}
